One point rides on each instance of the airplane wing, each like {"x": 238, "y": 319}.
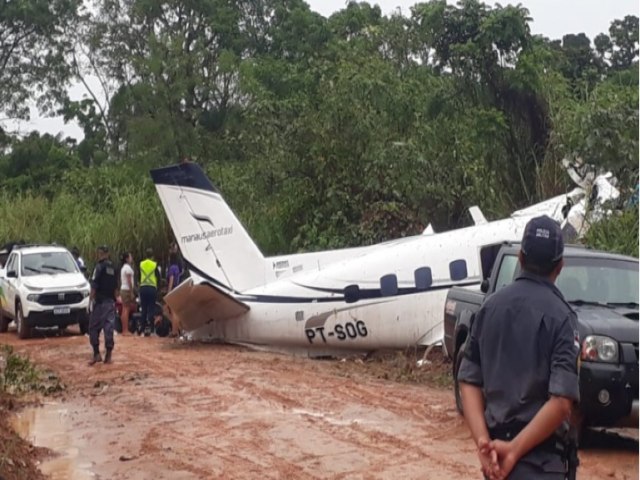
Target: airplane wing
{"x": 195, "y": 305}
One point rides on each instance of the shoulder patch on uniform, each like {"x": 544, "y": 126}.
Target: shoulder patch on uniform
{"x": 576, "y": 339}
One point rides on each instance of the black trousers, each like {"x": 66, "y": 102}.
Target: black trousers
{"x": 147, "y": 305}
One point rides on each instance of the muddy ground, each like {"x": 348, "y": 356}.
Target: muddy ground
{"x": 170, "y": 410}
{"x": 18, "y": 458}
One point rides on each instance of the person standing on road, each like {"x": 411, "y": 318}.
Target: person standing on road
{"x": 127, "y": 290}
{"x": 173, "y": 280}
{"x": 149, "y": 276}
{"x": 102, "y": 305}
{"x": 519, "y": 375}
{"x": 75, "y": 251}
{"x": 174, "y": 250}
{"x": 173, "y": 272}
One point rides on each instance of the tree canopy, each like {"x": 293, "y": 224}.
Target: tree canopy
{"x": 321, "y": 132}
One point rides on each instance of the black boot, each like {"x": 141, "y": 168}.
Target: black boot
{"x": 96, "y": 358}
{"x": 107, "y": 357}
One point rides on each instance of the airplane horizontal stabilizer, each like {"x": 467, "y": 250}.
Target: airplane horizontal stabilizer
{"x": 195, "y": 305}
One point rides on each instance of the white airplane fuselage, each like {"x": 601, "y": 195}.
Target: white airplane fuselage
{"x": 389, "y": 295}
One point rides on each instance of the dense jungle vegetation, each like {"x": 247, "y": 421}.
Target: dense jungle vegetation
{"x": 320, "y": 132}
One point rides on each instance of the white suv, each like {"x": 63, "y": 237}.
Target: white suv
{"x": 42, "y": 286}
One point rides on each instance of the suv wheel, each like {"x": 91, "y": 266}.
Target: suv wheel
{"x": 456, "y": 384}
{"x": 4, "y": 322}
{"x": 21, "y": 323}
{"x": 83, "y": 323}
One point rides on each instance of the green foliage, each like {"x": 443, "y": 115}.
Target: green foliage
{"x": 617, "y": 233}
{"x": 603, "y": 129}
{"x": 36, "y": 163}
{"x": 92, "y": 207}
{"x": 34, "y": 37}
{"x": 19, "y": 375}
{"x": 320, "y": 132}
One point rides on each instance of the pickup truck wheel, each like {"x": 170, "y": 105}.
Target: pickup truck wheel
{"x": 456, "y": 385}
{"x": 4, "y": 322}
{"x": 21, "y": 323}
{"x": 83, "y": 323}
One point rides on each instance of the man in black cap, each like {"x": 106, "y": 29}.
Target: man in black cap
{"x": 519, "y": 375}
{"x": 102, "y": 305}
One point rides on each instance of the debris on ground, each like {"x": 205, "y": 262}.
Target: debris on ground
{"x": 428, "y": 367}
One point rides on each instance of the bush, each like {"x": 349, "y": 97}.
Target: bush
{"x": 617, "y": 233}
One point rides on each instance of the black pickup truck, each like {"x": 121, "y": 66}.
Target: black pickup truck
{"x": 602, "y": 288}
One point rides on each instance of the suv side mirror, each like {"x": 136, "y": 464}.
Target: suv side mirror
{"x": 484, "y": 286}
{"x": 12, "y": 274}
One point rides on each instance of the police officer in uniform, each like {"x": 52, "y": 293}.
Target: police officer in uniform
{"x": 519, "y": 375}
{"x": 102, "y": 304}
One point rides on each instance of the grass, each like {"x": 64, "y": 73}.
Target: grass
{"x": 19, "y": 376}
{"x": 401, "y": 367}
{"x": 132, "y": 220}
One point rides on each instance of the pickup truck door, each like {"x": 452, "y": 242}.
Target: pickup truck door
{"x": 9, "y": 285}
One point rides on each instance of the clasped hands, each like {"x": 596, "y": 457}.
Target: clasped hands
{"x": 497, "y": 458}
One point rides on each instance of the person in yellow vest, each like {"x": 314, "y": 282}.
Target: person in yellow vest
{"x": 149, "y": 278}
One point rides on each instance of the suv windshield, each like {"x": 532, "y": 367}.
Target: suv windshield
{"x": 48, "y": 262}
{"x": 599, "y": 280}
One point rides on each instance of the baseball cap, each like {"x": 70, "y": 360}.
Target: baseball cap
{"x": 103, "y": 248}
{"x": 542, "y": 241}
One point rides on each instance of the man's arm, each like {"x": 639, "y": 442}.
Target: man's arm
{"x": 544, "y": 424}
{"x": 471, "y": 381}
{"x": 97, "y": 271}
{"x": 473, "y": 405}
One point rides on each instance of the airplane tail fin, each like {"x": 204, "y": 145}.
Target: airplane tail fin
{"x": 212, "y": 240}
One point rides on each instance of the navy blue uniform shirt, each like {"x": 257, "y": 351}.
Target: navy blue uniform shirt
{"x": 104, "y": 280}
{"x": 523, "y": 347}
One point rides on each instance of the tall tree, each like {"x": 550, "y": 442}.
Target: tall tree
{"x": 34, "y": 38}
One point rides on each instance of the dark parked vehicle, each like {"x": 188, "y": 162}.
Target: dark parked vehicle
{"x": 603, "y": 290}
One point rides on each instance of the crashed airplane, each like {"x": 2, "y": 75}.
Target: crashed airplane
{"x": 385, "y": 296}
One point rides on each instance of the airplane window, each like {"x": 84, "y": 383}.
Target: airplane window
{"x": 351, "y": 293}
{"x": 389, "y": 285}
{"x": 423, "y": 278}
{"x": 458, "y": 270}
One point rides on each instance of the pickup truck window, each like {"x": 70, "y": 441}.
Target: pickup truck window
{"x": 507, "y": 272}
{"x": 599, "y": 280}
{"x": 48, "y": 263}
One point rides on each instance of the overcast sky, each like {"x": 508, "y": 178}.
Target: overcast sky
{"x": 551, "y": 18}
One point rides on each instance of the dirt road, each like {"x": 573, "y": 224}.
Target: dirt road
{"x": 169, "y": 410}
